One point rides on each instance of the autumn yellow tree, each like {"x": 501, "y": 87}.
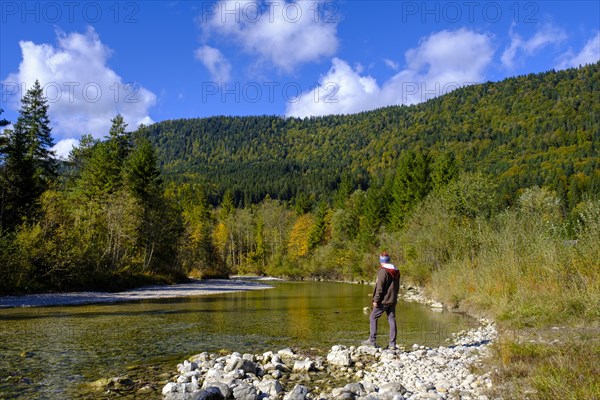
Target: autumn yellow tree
{"x": 220, "y": 237}
{"x": 298, "y": 243}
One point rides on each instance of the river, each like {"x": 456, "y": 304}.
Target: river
{"x": 55, "y": 352}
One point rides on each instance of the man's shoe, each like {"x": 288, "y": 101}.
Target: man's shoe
{"x": 392, "y": 346}
{"x": 369, "y": 343}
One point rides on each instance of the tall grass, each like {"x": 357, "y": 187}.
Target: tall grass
{"x": 517, "y": 266}
{"x": 528, "y": 266}
{"x": 566, "y": 370}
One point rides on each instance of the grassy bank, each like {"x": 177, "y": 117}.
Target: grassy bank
{"x": 533, "y": 270}
{"x": 559, "y": 363}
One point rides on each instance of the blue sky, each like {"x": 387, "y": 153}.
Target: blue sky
{"x": 152, "y": 61}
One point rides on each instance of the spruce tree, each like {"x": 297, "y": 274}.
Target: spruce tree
{"x": 316, "y": 236}
{"x": 343, "y": 191}
{"x": 28, "y": 163}
{"x": 411, "y": 184}
{"x": 157, "y": 233}
{"x": 142, "y": 177}
{"x": 227, "y": 206}
{"x": 119, "y": 145}
{"x": 444, "y": 170}
{"x": 302, "y": 204}
{"x": 3, "y": 183}
{"x": 375, "y": 212}
{"x": 120, "y": 140}
{"x": 82, "y": 153}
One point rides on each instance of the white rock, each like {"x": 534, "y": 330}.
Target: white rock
{"x": 303, "y": 366}
{"x": 287, "y": 355}
{"x": 421, "y": 387}
{"x": 170, "y": 387}
{"x": 277, "y": 374}
{"x": 340, "y": 358}
{"x": 270, "y": 387}
{"x": 267, "y": 357}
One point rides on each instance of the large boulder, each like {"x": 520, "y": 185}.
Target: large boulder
{"x": 170, "y": 387}
{"x": 213, "y": 377}
{"x": 391, "y": 390}
{"x": 187, "y": 367}
{"x": 211, "y": 393}
{"x": 299, "y": 392}
{"x": 339, "y": 356}
{"x": 249, "y": 367}
{"x": 350, "y": 391}
{"x": 271, "y": 387}
{"x": 287, "y": 355}
{"x": 303, "y": 366}
{"x": 236, "y": 363}
{"x": 233, "y": 363}
{"x": 244, "y": 391}
{"x": 223, "y": 388}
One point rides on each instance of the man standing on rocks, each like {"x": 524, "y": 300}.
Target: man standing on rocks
{"x": 385, "y": 297}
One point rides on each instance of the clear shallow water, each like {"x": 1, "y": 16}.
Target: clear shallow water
{"x": 49, "y": 352}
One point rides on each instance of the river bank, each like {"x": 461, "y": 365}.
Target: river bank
{"x": 192, "y": 288}
{"x": 362, "y": 372}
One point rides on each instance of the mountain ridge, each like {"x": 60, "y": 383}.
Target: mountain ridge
{"x": 536, "y": 129}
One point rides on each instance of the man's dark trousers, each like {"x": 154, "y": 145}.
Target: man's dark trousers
{"x": 377, "y": 312}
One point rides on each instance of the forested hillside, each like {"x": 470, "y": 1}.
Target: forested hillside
{"x": 539, "y": 129}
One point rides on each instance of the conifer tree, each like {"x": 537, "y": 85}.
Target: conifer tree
{"x": 119, "y": 145}
{"x": 411, "y": 184}
{"x": 302, "y": 204}
{"x": 444, "y": 170}
{"x": 102, "y": 171}
{"x": 81, "y": 154}
{"x": 227, "y": 206}
{"x": 316, "y": 236}
{"x": 120, "y": 140}
{"x": 3, "y": 154}
{"x": 159, "y": 229}
{"x": 374, "y": 213}
{"x": 343, "y": 191}
{"x": 141, "y": 174}
{"x": 28, "y": 164}
{"x": 99, "y": 176}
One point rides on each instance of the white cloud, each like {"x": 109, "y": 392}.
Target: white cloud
{"x": 590, "y": 54}
{"x": 521, "y": 48}
{"x": 391, "y": 64}
{"x": 216, "y": 63}
{"x": 284, "y": 34}
{"x": 83, "y": 93}
{"x": 443, "y": 62}
{"x": 64, "y": 147}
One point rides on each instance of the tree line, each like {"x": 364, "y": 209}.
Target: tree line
{"x": 103, "y": 222}
{"x": 314, "y": 197}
